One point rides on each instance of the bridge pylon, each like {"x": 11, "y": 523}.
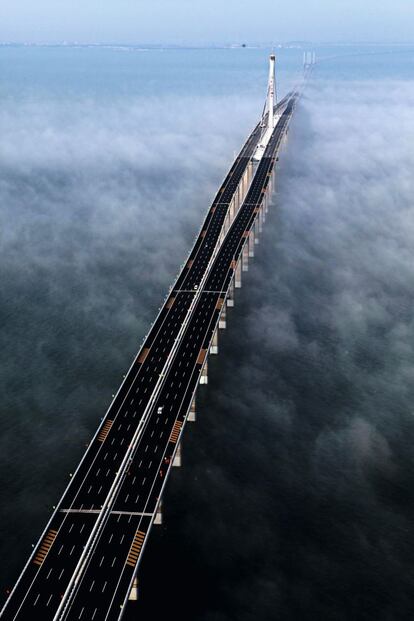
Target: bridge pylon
{"x": 269, "y": 118}
{"x": 309, "y": 60}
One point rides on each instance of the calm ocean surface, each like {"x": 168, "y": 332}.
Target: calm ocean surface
{"x": 296, "y": 496}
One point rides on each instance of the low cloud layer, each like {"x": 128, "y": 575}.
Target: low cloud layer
{"x": 295, "y": 500}
{"x": 100, "y": 202}
{"x": 296, "y": 497}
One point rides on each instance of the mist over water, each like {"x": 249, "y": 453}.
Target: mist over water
{"x": 295, "y": 500}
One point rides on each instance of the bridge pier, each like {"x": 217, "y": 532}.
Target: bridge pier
{"x": 245, "y": 257}
{"x": 250, "y": 170}
{"x": 256, "y": 231}
{"x": 260, "y": 219}
{"x": 177, "y": 457}
{"x": 214, "y": 343}
{"x": 267, "y": 198}
{"x": 240, "y": 194}
{"x": 238, "y": 275}
{"x": 204, "y": 373}
{"x": 233, "y": 209}
{"x": 223, "y": 317}
{"x": 249, "y": 174}
{"x": 245, "y": 184}
{"x": 251, "y": 243}
{"x": 230, "y": 295}
{"x": 236, "y": 199}
{"x": 158, "y": 515}
{"x": 226, "y": 223}
{"x": 192, "y": 413}
{"x": 133, "y": 596}
{"x": 271, "y": 189}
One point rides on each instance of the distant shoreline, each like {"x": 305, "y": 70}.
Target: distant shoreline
{"x": 224, "y": 46}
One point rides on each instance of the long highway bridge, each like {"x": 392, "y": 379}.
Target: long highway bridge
{"x": 85, "y": 564}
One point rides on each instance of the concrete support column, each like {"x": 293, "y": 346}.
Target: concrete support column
{"x": 264, "y": 207}
{"x": 230, "y": 295}
{"x": 247, "y": 175}
{"x": 224, "y": 228}
{"x": 232, "y": 209}
{"x": 133, "y": 596}
{"x": 250, "y": 171}
{"x": 238, "y": 275}
{"x": 256, "y": 230}
{"x": 236, "y": 201}
{"x": 214, "y": 343}
{"x": 223, "y": 317}
{"x": 177, "y": 457}
{"x": 260, "y": 219}
{"x": 272, "y": 185}
{"x": 251, "y": 243}
{"x": 245, "y": 184}
{"x": 192, "y": 413}
{"x": 158, "y": 515}
{"x": 204, "y": 373}
{"x": 245, "y": 257}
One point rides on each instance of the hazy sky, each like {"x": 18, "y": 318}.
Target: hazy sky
{"x": 185, "y": 21}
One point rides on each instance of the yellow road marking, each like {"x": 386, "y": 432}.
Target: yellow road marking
{"x": 105, "y": 430}
{"x": 201, "y": 356}
{"x": 143, "y": 354}
{"x": 45, "y": 547}
{"x": 176, "y": 431}
{"x": 135, "y": 548}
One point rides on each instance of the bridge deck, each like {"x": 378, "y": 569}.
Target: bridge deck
{"x": 155, "y": 398}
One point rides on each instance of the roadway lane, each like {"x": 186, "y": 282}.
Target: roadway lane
{"x": 141, "y": 488}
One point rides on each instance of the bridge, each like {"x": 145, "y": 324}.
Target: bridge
{"x": 85, "y": 563}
